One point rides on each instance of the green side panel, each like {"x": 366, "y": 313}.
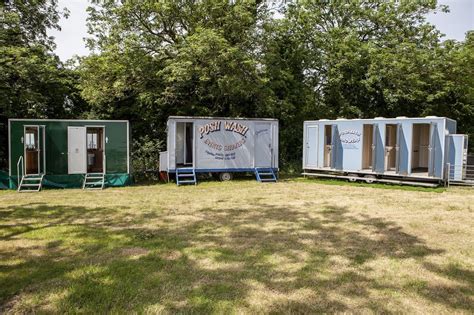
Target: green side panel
{"x": 56, "y": 146}
{"x": 76, "y": 180}
{"x": 4, "y": 180}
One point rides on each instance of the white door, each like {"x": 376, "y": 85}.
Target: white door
{"x": 312, "y": 146}
{"x": 76, "y": 155}
{"x": 263, "y": 145}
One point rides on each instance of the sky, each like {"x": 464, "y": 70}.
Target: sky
{"x": 70, "y": 40}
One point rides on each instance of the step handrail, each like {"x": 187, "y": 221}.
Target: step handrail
{"x": 20, "y": 160}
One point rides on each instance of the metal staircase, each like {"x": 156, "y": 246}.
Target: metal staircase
{"x": 185, "y": 176}
{"x": 94, "y": 181}
{"x": 31, "y": 183}
{"x": 265, "y": 175}
{"x": 27, "y": 183}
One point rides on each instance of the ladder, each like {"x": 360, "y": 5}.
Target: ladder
{"x": 94, "y": 181}
{"x": 265, "y": 175}
{"x": 31, "y": 183}
{"x": 186, "y": 176}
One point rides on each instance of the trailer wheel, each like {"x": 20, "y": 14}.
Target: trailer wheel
{"x": 352, "y": 177}
{"x": 225, "y": 177}
{"x": 370, "y": 179}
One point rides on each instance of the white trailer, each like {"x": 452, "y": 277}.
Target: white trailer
{"x": 418, "y": 151}
{"x": 220, "y": 146}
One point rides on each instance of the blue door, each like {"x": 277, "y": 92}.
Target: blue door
{"x": 311, "y": 146}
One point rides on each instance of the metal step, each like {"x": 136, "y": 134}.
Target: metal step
{"x": 262, "y": 175}
{"x": 186, "y": 176}
{"x": 27, "y": 182}
{"x": 30, "y": 185}
{"x": 94, "y": 181}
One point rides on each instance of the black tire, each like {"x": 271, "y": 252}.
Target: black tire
{"x": 225, "y": 177}
{"x": 369, "y": 179}
{"x": 352, "y": 177}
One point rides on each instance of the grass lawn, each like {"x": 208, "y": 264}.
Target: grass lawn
{"x": 299, "y": 246}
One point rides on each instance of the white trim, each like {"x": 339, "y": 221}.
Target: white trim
{"x": 24, "y": 148}
{"x": 168, "y": 136}
{"x": 385, "y": 120}
{"x": 445, "y": 151}
{"x": 128, "y": 147}
{"x": 254, "y": 142}
{"x": 104, "y": 142}
{"x": 194, "y": 144}
{"x": 185, "y": 146}
{"x": 10, "y": 150}
{"x": 222, "y": 118}
{"x": 175, "y": 134}
{"x": 78, "y": 120}
{"x": 44, "y": 149}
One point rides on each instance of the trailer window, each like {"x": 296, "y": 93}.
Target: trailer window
{"x": 30, "y": 141}
{"x": 92, "y": 140}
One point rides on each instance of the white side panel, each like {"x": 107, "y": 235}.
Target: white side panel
{"x": 221, "y": 144}
{"x": 76, "y": 139}
{"x": 171, "y": 144}
{"x": 164, "y": 161}
{"x": 276, "y": 140}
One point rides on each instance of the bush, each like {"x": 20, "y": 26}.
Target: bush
{"x": 145, "y": 158}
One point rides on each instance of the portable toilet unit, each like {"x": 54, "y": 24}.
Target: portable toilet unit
{"x": 220, "y": 146}
{"x": 65, "y": 153}
{"x": 421, "y": 151}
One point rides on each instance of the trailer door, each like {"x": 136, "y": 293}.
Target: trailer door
{"x": 456, "y": 158}
{"x": 378, "y": 151}
{"x": 432, "y": 150}
{"x": 397, "y": 148}
{"x": 76, "y": 155}
{"x": 311, "y": 146}
{"x": 263, "y": 145}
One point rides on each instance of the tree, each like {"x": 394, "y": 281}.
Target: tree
{"x": 317, "y": 59}
{"x": 33, "y": 81}
{"x": 159, "y": 58}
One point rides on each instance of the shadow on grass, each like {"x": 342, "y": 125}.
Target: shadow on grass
{"x": 275, "y": 259}
{"x": 342, "y": 182}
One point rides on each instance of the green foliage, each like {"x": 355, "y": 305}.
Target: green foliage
{"x": 315, "y": 59}
{"x": 145, "y": 157}
{"x": 174, "y": 58}
{"x": 320, "y": 60}
{"x": 33, "y": 82}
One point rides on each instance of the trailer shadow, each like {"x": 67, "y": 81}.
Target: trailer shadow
{"x": 271, "y": 259}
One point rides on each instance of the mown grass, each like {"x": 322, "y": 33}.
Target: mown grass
{"x": 298, "y": 246}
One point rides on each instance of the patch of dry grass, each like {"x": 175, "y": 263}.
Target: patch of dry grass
{"x": 238, "y": 247}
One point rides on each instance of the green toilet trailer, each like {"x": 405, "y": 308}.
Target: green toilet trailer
{"x": 64, "y": 153}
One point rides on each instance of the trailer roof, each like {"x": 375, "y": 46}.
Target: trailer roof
{"x": 45, "y": 119}
{"x": 230, "y": 118}
{"x": 383, "y": 118}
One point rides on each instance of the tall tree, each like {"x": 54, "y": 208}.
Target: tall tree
{"x": 159, "y": 58}
{"x": 33, "y": 81}
{"x": 316, "y": 59}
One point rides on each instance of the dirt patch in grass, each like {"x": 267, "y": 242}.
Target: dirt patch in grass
{"x": 238, "y": 247}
